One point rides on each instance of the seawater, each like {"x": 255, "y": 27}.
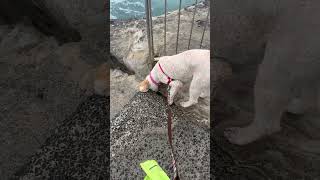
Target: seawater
{"x": 128, "y": 9}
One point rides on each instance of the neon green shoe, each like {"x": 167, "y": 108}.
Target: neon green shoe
{"x": 153, "y": 171}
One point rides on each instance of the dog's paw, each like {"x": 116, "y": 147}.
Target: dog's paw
{"x": 246, "y": 135}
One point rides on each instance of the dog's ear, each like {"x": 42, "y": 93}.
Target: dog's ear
{"x": 144, "y": 86}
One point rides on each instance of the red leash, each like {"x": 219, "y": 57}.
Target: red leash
{"x": 169, "y": 112}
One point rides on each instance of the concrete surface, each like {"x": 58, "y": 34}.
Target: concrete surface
{"x": 139, "y": 133}
{"x": 77, "y": 149}
{"x": 122, "y": 88}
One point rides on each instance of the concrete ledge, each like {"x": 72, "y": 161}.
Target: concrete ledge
{"x": 77, "y": 149}
{"x": 139, "y": 132}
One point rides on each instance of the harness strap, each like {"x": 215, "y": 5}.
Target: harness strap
{"x": 168, "y": 77}
{"x": 153, "y": 81}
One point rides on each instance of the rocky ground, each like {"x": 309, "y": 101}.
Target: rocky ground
{"x": 41, "y": 82}
{"x": 139, "y": 133}
{"x": 77, "y": 149}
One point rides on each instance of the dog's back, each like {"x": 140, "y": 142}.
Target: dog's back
{"x": 185, "y": 64}
{"x": 193, "y": 56}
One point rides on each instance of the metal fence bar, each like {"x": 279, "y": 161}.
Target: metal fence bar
{"x": 204, "y": 29}
{"x": 149, "y": 31}
{"x": 178, "y": 27}
{"x": 165, "y": 28}
{"x": 194, "y": 13}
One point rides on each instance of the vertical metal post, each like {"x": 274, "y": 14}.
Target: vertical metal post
{"x": 178, "y": 27}
{"x": 165, "y": 28}
{"x": 204, "y": 29}
{"x": 149, "y": 31}
{"x": 194, "y": 13}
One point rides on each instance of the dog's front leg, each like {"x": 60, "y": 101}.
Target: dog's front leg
{"x": 194, "y": 91}
{"x": 175, "y": 86}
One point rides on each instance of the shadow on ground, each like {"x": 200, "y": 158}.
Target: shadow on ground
{"x": 289, "y": 154}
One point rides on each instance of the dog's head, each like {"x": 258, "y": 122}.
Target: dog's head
{"x": 147, "y": 84}
{"x": 144, "y": 86}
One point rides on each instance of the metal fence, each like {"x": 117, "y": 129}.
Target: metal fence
{"x": 150, "y": 32}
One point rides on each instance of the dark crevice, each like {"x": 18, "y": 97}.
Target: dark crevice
{"x": 116, "y": 64}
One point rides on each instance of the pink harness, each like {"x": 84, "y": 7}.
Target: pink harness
{"x": 155, "y": 82}
{"x": 152, "y": 80}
